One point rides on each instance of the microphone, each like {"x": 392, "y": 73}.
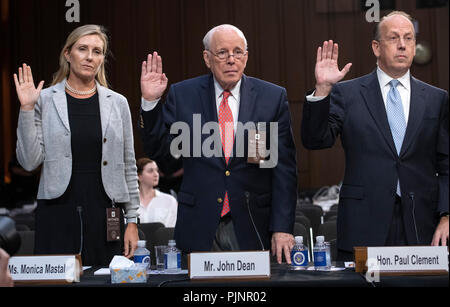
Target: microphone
{"x": 80, "y": 211}
{"x": 411, "y": 195}
{"x": 247, "y": 199}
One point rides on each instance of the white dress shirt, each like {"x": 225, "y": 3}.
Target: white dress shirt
{"x": 162, "y": 208}
{"x": 233, "y": 100}
{"x": 404, "y": 89}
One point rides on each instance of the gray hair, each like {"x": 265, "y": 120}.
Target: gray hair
{"x": 209, "y": 35}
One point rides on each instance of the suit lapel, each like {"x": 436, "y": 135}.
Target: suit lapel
{"x": 104, "y": 98}
{"x": 208, "y": 97}
{"x": 247, "y": 106}
{"x": 60, "y": 102}
{"x": 416, "y": 112}
{"x": 371, "y": 93}
{"x": 248, "y": 100}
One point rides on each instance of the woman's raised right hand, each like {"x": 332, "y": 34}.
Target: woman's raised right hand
{"x": 26, "y": 91}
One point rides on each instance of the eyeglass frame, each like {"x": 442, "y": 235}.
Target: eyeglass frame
{"x": 397, "y": 39}
{"x": 244, "y": 53}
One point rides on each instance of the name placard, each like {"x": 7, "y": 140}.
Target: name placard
{"x": 45, "y": 268}
{"x": 230, "y": 265}
{"x": 408, "y": 258}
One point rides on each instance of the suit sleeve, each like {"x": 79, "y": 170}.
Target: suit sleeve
{"x": 442, "y": 157}
{"x": 284, "y": 181}
{"x": 154, "y": 128}
{"x": 322, "y": 121}
{"x": 30, "y": 145}
{"x": 130, "y": 162}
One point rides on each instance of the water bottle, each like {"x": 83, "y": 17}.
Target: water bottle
{"x": 321, "y": 255}
{"x": 173, "y": 258}
{"x": 142, "y": 255}
{"x": 299, "y": 255}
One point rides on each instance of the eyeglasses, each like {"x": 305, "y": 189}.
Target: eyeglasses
{"x": 394, "y": 40}
{"x": 224, "y": 55}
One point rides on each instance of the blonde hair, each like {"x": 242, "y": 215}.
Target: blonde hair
{"x": 64, "y": 66}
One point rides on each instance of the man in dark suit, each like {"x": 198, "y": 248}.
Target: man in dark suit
{"x": 228, "y": 200}
{"x": 394, "y": 130}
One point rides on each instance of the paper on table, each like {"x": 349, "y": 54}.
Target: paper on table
{"x": 106, "y": 271}
{"x": 332, "y": 269}
{"x": 152, "y": 272}
{"x": 102, "y": 271}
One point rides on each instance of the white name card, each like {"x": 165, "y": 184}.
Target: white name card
{"x": 408, "y": 258}
{"x": 253, "y": 265}
{"x": 45, "y": 268}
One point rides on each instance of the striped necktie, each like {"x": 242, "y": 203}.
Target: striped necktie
{"x": 396, "y": 118}
{"x": 226, "y": 125}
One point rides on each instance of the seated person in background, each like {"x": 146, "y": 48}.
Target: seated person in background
{"x": 155, "y": 206}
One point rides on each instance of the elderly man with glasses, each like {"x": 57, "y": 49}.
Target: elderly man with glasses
{"x": 232, "y": 200}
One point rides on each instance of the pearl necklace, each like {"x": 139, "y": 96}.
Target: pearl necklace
{"x": 81, "y": 93}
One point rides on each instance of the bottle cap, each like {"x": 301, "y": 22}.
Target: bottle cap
{"x": 141, "y": 243}
{"x": 299, "y": 239}
{"x": 172, "y": 243}
{"x": 320, "y": 239}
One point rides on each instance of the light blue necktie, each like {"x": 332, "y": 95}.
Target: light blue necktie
{"x": 396, "y": 118}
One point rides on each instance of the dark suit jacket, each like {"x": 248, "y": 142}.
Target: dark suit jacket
{"x": 272, "y": 192}
{"x": 355, "y": 111}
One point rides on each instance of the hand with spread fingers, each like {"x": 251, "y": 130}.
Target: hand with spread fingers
{"x": 26, "y": 91}
{"x": 327, "y": 70}
{"x": 282, "y": 243}
{"x": 153, "y": 80}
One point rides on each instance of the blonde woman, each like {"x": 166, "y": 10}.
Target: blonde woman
{"x": 81, "y": 132}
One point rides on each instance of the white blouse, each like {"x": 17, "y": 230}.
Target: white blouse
{"x": 162, "y": 208}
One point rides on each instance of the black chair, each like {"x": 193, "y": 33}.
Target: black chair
{"x": 141, "y": 234}
{"x": 298, "y": 211}
{"x": 328, "y": 230}
{"x": 329, "y": 215}
{"x": 148, "y": 229}
{"x": 25, "y": 219}
{"x": 27, "y": 243}
{"x": 163, "y": 235}
{"x": 22, "y": 227}
{"x": 332, "y": 218}
{"x": 314, "y": 214}
{"x": 304, "y": 221}
{"x": 334, "y": 207}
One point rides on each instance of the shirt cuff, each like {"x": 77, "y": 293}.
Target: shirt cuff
{"x": 149, "y": 105}
{"x": 312, "y": 98}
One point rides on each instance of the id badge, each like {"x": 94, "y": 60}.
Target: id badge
{"x": 256, "y": 146}
{"x": 112, "y": 224}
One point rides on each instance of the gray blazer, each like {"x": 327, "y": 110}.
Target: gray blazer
{"x": 43, "y": 137}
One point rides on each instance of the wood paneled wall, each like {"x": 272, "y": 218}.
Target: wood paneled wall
{"x": 283, "y": 36}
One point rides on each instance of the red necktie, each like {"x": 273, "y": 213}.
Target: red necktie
{"x": 226, "y": 124}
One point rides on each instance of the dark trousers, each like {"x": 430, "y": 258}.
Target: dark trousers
{"x": 396, "y": 235}
{"x": 225, "y": 239}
